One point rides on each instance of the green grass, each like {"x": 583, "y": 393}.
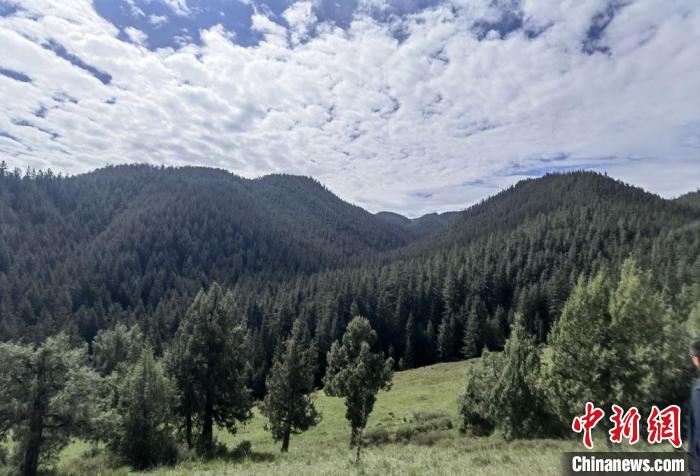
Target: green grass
{"x": 430, "y": 391}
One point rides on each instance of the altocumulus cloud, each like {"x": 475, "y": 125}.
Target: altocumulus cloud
{"x": 409, "y": 106}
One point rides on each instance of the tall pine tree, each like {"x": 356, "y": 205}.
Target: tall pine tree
{"x": 289, "y": 403}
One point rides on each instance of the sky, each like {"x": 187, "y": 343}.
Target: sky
{"x": 412, "y": 106}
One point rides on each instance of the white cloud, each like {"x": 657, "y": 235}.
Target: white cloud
{"x": 178, "y": 6}
{"x": 136, "y": 35}
{"x": 157, "y": 20}
{"x": 301, "y": 19}
{"x": 433, "y": 122}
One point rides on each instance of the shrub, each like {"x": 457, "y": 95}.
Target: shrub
{"x": 377, "y": 436}
{"x": 426, "y": 439}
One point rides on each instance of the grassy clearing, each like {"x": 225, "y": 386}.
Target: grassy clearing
{"x": 414, "y": 430}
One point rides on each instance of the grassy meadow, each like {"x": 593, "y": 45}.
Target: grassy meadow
{"x": 414, "y": 430}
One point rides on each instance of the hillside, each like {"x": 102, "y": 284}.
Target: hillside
{"x": 138, "y": 236}
{"x": 691, "y": 199}
{"x": 559, "y": 194}
{"x": 135, "y": 243}
{"x": 520, "y": 251}
{"x": 422, "y": 226}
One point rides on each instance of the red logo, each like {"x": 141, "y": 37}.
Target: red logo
{"x": 665, "y": 425}
{"x": 587, "y": 422}
{"x": 625, "y": 425}
{"x": 662, "y": 425}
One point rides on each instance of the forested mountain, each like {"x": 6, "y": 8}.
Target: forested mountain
{"x": 422, "y": 226}
{"x": 135, "y": 243}
{"x": 691, "y": 199}
{"x": 456, "y": 292}
{"x": 130, "y": 237}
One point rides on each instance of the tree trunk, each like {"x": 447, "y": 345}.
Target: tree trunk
{"x": 358, "y": 442}
{"x": 30, "y": 462}
{"x": 30, "y": 459}
{"x": 188, "y": 429}
{"x": 285, "y": 439}
{"x": 207, "y": 427}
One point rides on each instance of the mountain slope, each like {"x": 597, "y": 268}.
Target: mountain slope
{"x": 422, "y": 226}
{"x": 136, "y": 243}
{"x": 691, "y": 199}
{"x": 132, "y": 235}
{"x": 522, "y": 251}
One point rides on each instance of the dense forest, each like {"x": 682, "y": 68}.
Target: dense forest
{"x": 287, "y": 266}
{"x": 134, "y": 244}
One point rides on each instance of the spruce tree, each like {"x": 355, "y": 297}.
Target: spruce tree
{"x": 356, "y": 372}
{"x": 473, "y": 332}
{"x": 408, "y": 361}
{"x": 615, "y": 344}
{"x": 447, "y": 338}
{"x": 210, "y": 364}
{"x": 289, "y": 403}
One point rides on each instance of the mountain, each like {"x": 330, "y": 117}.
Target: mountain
{"x": 422, "y": 226}
{"x": 135, "y": 243}
{"x": 522, "y": 250}
{"x": 132, "y": 235}
{"x": 691, "y": 199}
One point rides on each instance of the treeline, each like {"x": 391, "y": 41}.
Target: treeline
{"x": 151, "y": 411}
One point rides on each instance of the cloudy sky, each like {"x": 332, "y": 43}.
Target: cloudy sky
{"x": 412, "y": 106}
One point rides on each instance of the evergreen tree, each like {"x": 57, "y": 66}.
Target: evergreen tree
{"x": 356, "y": 373}
{"x": 447, "y": 338}
{"x": 141, "y": 422}
{"x": 116, "y": 346}
{"x": 476, "y": 403}
{"x": 473, "y": 332}
{"x": 643, "y": 333}
{"x": 289, "y": 403}
{"x": 210, "y": 365}
{"x": 46, "y": 398}
{"x": 519, "y": 403}
{"x": 582, "y": 354}
{"x": 408, "y": 361}
{"x": 618, "y": 345}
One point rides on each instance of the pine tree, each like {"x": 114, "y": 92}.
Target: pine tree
{"x": 114, "y": 347}
{"x": 46, "y": 397}
{"x": 615, "y": 345}
{"x": 640, "y": 325}
{"x": 356, "y": 373}
{"x": 142, "y": 420}
{"x": 430, "y": 343}
{"x": 519, "y": 403}
{"x": 580, "y": 342}
{"x": 289, "y": 403}
{"x": 408, "y": 361}
{"x": 447, "y": 338}
{"x": 473, "y": 332}
{"x": 476, "y": 403}
{"x": 209, "y": 362}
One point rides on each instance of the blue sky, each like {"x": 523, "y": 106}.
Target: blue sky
{"x": 411, "y": 106}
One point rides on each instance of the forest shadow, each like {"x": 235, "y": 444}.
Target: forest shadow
{"x": 244, "y": 452}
